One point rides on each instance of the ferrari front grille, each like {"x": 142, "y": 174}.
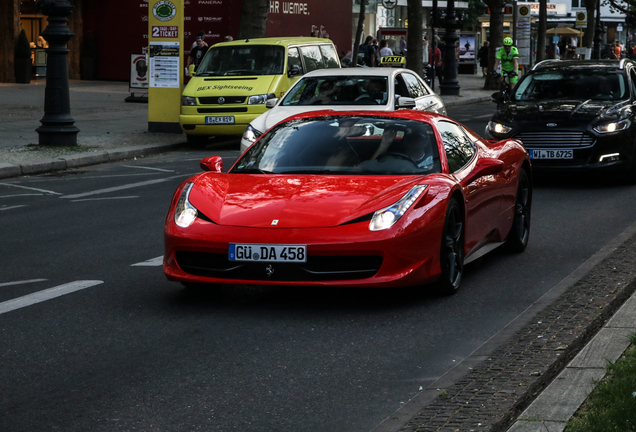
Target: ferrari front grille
{"x": 317, "y": 267}
{"x": 558, "y": 139}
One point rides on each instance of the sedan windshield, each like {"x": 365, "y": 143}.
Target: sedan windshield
{"x": 339, "y": 90}
{"x": 344, "y": 145}
{"x": 574, "y": 84}
{"x": 235, "y": 60}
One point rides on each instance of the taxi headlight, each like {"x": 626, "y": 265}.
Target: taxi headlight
{"x": 185, "y": 213}
{"x": 613, "y": 127}
{"x": 260, "y": 99}
{"x": 251, "y": 134}
{"x": 188, "y": 101}
{"x": 388, "y": 216}
{"x": 498, "y": 128}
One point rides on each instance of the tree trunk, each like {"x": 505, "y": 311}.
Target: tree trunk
{"x": 543, "y": 24}
{"x": 356, "y": 44}
{"x": 496, "y": 40}
{"x": 588, "y": 36}
{"x": 253, "y": 19}
{"x": 414, "y": 41}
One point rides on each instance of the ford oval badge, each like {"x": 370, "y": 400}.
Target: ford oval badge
{"x": 551, "y": 125}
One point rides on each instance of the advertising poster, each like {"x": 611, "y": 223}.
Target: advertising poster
{"x": 164, "y": 64}
{"x": 467, "y": 48}
{"x": 138, "y": 71}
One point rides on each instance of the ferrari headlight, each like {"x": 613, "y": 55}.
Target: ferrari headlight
{"x": 185, "y": 213}
{"x": 260, "y": 99}
{"x": 613, "y": 127}
{"x": 388, "y": 216}
{"x": 188, "y": 101}
{"x": 251, "y": 134}
{"x": 498, "y": 128}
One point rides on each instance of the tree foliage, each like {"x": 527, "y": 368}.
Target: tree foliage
{"x": 253, "y": 19}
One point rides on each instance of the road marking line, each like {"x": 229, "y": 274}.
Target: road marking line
{"x": 106, "y": 198}
{"x": 12, "y": 207}
{"x": 47, "y": 294}
{"x": 19, "y": 195}
{"x": 154, "y": 262}
{"x": 21, "y": 282}
{"x": 148, "y": 168}
{"x": 123, "y": 187}
{"x": 483, "y": 116}
{"x": 30, "y": 188}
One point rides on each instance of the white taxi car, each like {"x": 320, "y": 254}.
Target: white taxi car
{"x": 377, "y": 89}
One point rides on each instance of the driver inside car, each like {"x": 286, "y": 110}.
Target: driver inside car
{"x": 400, "y": 153}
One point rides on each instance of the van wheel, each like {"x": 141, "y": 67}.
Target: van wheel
{"x": 197, "y": 141}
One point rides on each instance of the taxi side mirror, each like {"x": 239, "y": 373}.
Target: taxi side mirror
{"x": 405, "y": 102}
{"x": 212, "y": 163}
{"x": 191, "y": 70}
{"x": 271, "y": 103}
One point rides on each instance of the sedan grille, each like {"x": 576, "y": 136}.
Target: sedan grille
{"x": 543, "y": 139}
{"x": 317, "y": 268}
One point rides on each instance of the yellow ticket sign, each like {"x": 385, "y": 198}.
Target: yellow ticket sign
{"x": 393, "y": 61}
{"x": 165, "y": 65}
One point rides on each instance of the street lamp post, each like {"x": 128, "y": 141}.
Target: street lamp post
{"x": 449, "y": 85}
{"x": 598, "y": 32}
{"x": 57, "y": 124}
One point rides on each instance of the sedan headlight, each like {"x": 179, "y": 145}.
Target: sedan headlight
{"x": 185, "y": 213}
{"x": 188, "y": 101}
{"x": 260, "y": 99}
{"x": 388, "y": 216}
{"x": 251, "y": 134}
{"x": 498, "y": 128}
{"x": 613, "y": 127}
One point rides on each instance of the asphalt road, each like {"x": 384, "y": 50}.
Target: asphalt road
{"x": 124, "y": 349}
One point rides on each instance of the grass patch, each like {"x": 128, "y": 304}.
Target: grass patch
{"x": 611, "y": 407}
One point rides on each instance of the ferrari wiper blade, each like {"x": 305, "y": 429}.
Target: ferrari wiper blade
{"x": 314, "y": 171}
{"x": 250, "y": 171}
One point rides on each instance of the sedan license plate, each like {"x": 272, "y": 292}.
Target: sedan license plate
{"x": 219, "y": 120}
{"x": 551, "y": 154}
{"x": 267, "y": 253}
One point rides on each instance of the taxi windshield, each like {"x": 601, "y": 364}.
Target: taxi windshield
{"x": 344, "y": 145}
{"x": 339, "y": 90}
{"x": 241, "y": 60}
{"x": 574, "y": 84}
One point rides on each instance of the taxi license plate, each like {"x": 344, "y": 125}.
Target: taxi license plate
{"x": 267, "y": 253}
{"x": 551, "y": 154}
{"x": 219, "y": 120}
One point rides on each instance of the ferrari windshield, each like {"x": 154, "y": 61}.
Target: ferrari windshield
{"x": 237, "y": 60}
{"x": 344, "y": 145}
{"x": 339, "y": 90}
{"x": 573, "y": 84}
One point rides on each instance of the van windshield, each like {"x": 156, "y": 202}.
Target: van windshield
{"x": 240, "y": 60}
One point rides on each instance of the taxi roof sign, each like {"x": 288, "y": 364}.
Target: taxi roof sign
{"x": 393, "y": 60}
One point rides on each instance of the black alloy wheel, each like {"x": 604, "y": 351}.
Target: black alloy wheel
{"x": 520, "y": 231}
{"x": 452, "y": 250}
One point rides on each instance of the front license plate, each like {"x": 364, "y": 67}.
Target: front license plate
{"x": 551, "y": 154}
{"x": 219, "y": 120}
{"x": 267, "y": 253}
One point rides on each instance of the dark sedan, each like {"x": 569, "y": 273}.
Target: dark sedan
{"x": 574, "y": 115}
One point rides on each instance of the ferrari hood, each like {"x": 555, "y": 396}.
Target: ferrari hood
{"x": 294, "y": 201}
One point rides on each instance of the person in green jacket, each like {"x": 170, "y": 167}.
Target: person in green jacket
{"x": 508, "y": 56}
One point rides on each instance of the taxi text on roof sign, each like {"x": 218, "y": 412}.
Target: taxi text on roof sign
{"x": 393, "y": 60}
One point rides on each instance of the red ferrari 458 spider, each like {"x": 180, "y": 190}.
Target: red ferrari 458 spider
{"x": 361, "y": 199}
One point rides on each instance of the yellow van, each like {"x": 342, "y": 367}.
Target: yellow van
{"x": 235, "y": 79}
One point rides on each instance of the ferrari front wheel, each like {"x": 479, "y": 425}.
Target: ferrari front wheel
{"x": 452, "y": 250}
{"x": 520, "y": 231}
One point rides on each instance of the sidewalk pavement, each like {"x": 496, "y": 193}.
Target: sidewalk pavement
{"x": 531, "y": 376}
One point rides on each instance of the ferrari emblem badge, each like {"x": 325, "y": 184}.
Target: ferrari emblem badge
{"x": 275, "y": 222}
{"x": 269, "y": 270}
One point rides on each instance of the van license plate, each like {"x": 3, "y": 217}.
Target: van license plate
{"x": 219, "y": 120}
{"x": 267, "y": 252}
{"x": 552, "y": 154}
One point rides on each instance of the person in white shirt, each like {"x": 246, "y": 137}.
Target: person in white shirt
{"x": 384, "y": 49}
